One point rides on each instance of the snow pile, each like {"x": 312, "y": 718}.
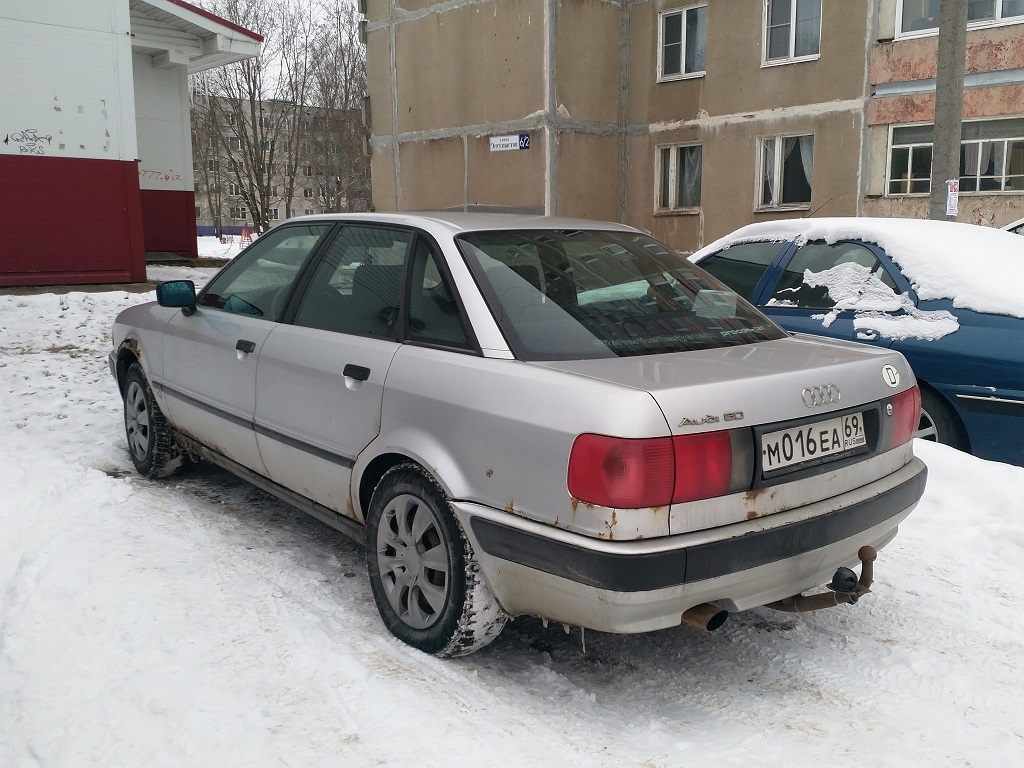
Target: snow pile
{"x": 196, "y": 622}
{"x": 979, "y": 268}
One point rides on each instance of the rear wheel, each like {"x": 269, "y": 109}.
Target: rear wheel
{"x": 939, "y": 424}
{"x": 423, "y": 572}
{"x": 150, "y": 440}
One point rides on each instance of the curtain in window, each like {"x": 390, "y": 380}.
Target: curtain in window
{"x": 768, "y": 171}
{"x": 807, "y": 155}
{"x": 690, "y": 162}
{"x": 696, "y": 38}
{"x": 808, "y": 27}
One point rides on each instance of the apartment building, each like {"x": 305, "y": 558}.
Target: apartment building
{"x": 687, "y": 119}
{"x": 293, "y": 161}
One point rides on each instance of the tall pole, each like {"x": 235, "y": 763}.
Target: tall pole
{"x": 949, "y": 102}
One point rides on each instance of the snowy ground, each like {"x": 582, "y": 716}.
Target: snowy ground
{"x": 198, "y": 622}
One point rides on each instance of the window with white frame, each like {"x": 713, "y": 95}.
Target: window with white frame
{"x": 272, "y": 190}
{"x": 785, "y": 170}
{"x": 308, "y": 212}
{"x": 234, "y": 142}
{"x": 265, "y": 121}
{"x": 272, "y": 214}
{"x": 682, "y": 42}
{"x": 679, "y": 168}
{"x": 234, "y": 189}
{"x": 307, "y": 192}
{"x": 922, "y": 16}
{"x": 991, "y": 158}
{"x": 239, "y": 213}
{"x": 212, "y": 165}
{"x": 307, "y": 170}
{"x": 792, "y": 30}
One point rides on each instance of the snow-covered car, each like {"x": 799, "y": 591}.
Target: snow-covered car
{"x": 1016, "y": 227}
{"x": 945, "y": 295}
{"x": 528, "y": 416}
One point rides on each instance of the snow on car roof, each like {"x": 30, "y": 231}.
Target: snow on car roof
{"x": 979, "y": 268}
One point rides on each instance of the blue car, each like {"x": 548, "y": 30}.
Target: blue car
{"x": 946, "y": 295}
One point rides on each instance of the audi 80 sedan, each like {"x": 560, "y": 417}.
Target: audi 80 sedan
{"x": 522, "y": 415}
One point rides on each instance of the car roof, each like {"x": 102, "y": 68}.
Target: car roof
{"x": 461, "y": 221}
{"x": 978, "y": 268}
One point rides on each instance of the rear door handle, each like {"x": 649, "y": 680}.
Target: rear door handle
{"x": 865, "y": 334}
{"x": 245, "y": 346}
{"x": 357, "y": 372}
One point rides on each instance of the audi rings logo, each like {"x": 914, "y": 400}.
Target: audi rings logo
{"x": 823, "y": 395}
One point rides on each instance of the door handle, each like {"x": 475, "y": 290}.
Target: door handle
{"x": 357, "y": 372}
{"x": 245, "y": 346}
{"x": 865, "y": 334}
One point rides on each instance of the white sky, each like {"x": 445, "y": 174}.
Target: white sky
{"x": 198, "y": 622}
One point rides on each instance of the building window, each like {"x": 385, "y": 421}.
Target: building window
{"x": 272, "y": 214}
{"x": 234, "y": 165}
{"x": 792, "y": 30}
{"x": 265, "y": 121}
{"x": 991, "y": 158}
{"x": 267, "y": 145}
{"x": 239, "y": 213}
{"x": 922, "y": 16}
{"x": 786, "y": 165}
{"x": 234, "y": 143}
{"x": 308, "y": 212}
{"x": 682, "y": 42}
{"x": 307, "y": 170}
{"x": 199, "y": 212}
{"x": 307, "y": 192}
{"x": 212, "y": 165}
{"x": 232, "y": 120}
{"x": 234, "y": 189}
{"x": 679, "y": 169}
{"x": 272, "y": 190}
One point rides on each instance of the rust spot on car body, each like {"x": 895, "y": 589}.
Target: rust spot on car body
{"x": 511, "y": 508}
{"x": 659, "y": 510}
{"x": 757, "y": 499}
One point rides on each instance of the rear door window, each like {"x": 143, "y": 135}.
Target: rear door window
{"x": 821, "y": 274}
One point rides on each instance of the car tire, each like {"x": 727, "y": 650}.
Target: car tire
{"x": 939, "y": 424}
{"x": 438, "y": 604}
{"x": 150, "y": 439}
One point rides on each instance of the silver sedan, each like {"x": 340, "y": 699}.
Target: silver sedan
{"x": 524, "y": 415}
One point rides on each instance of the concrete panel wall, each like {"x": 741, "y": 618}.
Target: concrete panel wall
{"x": 433, "y": 174}
{"x": 379, "y": 82}
{"x": 440, "y": 86}
{"x": 588, "y": 171}
{"x": 382, "y": 171}
{"x": 587, "y": 60}
{"x": 514, "y": 179}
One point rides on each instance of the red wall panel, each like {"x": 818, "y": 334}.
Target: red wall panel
{"x": 169, "y": 221}
{"x": 70, "y": 220}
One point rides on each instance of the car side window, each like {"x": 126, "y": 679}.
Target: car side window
{"x": 356, "y": 287}
{"x": 433, "y": 311}
{"x": 852, "y": 263}
{"x": 742, "y": 266}
{"x": 259, "y": 281}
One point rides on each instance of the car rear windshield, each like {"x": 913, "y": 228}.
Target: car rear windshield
{"x": 580, "y": 294}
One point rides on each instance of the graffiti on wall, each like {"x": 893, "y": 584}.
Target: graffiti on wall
{"x": 29, "y": 141}
{"x": 159, "y": 175}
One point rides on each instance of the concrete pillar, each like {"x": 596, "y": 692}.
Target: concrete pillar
{"x": 949, "y": 101}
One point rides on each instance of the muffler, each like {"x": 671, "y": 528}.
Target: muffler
{"x": 846, "y": 588}
{"x": 705, "y": 616}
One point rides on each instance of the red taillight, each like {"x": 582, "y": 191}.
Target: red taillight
{"x": 652, "y": 472}
{"x": 621, "y": 473}
{"x": 703, "y": 466}
{"x": 906, "y": 415}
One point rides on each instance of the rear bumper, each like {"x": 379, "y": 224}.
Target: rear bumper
{"x": 637, "y": 586}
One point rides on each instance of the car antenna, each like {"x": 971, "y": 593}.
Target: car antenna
{"x": 818, "y": 208}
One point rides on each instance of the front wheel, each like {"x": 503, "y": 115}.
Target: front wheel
{"x": 423, "y": 572}
{"x": 150, "y": 441}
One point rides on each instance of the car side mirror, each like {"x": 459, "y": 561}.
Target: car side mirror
{"x": 177, "y": 293}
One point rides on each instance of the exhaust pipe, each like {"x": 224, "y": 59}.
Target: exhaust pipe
{"x": 705, "y": 616}
{"x": 846, "y": 588}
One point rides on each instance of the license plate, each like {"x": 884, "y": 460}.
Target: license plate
{"x": 822, "y": 440}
